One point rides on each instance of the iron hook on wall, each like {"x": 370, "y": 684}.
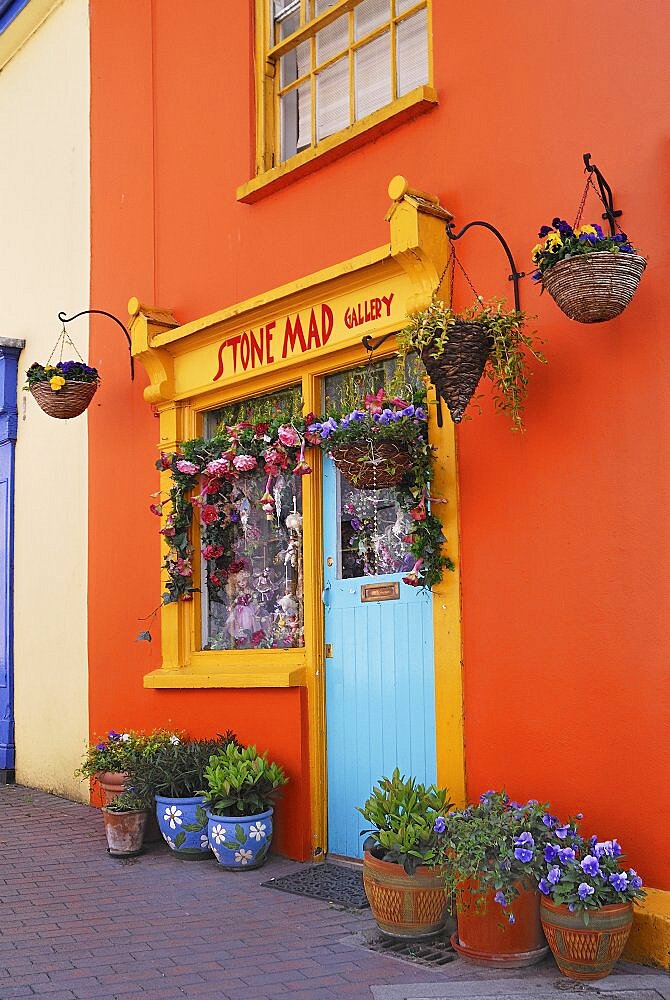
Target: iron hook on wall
{"x": 515, "y": 275}
{"x": 611, "y": 213}
{"x": 101, "y": 312}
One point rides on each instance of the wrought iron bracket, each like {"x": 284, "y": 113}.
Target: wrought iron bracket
{"x": 371, "y": 345}
{"x": 515, "y": 275}
{"x": 606, "y": 196}
{"x": 101, "y": 312}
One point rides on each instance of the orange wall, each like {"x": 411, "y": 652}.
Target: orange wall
{"x": 564, "y": 537}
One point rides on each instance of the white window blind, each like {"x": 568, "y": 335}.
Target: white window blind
{"x": 373, "y": 75}
{"x": 412, "y": 52}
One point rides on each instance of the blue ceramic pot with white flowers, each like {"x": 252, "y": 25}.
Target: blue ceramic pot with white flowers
{"x": 240, "y": 842}
{"x": 183, "y": 824}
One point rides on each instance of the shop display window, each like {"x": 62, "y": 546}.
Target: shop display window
{"x": 261, "y": 604}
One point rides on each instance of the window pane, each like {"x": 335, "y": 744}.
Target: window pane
{"x": 285, "y": 19}
{"x": 333, "y": 39}
{"x": 372, "y": 528}
{"x": 260, "y": 605}
{"x": 294, "y": 64}
{"x": 296, "y": 120}
{"x": 402, "y": 5}
{"x": 412, "y": 52}
{"x": 373, "y": 75}
{"x": 321, "y": 6}
{"x": 369, "y": 15}
{"x": 332, "y": 99}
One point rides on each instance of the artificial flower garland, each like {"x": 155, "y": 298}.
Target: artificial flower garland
{"x": 214, "y": 465}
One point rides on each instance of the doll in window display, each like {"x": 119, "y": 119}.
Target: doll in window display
{"x": 242, "y": 620}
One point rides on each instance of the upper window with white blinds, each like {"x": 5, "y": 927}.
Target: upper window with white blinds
{"x": 338, "y": 61}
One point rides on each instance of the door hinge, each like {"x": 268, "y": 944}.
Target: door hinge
{"x": 329, "y": 650}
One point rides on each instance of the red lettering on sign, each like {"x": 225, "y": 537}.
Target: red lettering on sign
{"x": 268, "y": 342}
{"x": 256, "y": 347}
{"x": 291, "y": 334}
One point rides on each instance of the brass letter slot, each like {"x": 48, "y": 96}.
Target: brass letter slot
{"x": 380, "y": 592}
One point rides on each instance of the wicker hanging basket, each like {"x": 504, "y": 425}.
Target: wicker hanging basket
{"x": 594, "y": 287}
{"x": 69, "y": 401}
{"x": 372, "y": 467}
{"x": 457, "y": 371}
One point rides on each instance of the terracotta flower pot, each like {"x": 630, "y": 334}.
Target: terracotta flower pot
{"x": 125, "y": 831}
{"x": 405, "y": 906}
{"x": 112, "y": 784}
{"x": 586, "y": 951}
{"x": 486, "y": 936}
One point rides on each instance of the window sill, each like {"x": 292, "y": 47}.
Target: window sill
{"x": 415, "y": 103}
{"x": 254, "y": 669}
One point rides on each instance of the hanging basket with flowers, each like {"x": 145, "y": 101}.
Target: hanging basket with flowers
{"x": 590, "y": 276}
{"x": 63, "y": 390}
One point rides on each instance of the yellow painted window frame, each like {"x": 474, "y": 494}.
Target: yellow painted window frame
{"x": 271, "y": 171}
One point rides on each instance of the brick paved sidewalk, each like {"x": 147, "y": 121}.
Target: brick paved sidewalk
{"x": 75, "y": 923}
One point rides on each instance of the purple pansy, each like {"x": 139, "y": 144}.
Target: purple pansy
{"x": 585, "y": 890}
{"x": 554, "y": 875}
{"x": 562, "y": 831}
{"x": 440, "y": 825}
{"x": 635, "y": 880}
{"x": 500, "y": 898}
{"x": 549, "y": 821}
{"x": 511, "y": 918}
{"x": 544, "y": 231}
{"x": 619, "y": 881}
{"x": 545, "y": 887}
{"x": 550, "y": 852}
{"x": 566, "y": 855}
{"x": 522, "y": 855}
{"x": 590, "y": 865}
{"x": 524, "y": 839}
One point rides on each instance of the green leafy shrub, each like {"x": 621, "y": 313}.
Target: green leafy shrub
{"x": 176, "y": 770}
{"x": 241, "y": 782}
{"x": 403, "y": 814}
{"x": 129, "y": 801}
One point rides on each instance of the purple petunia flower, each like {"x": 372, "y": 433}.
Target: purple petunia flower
{"x": 522, "y": 855}
{"x": 619, "y": 881}
{"x": 590, "y": 865}
{"x": 545, "y": 887}
{"x": 585, "y": 890}
{"x": 566, "y": 855}
{"x": 562, "y": 831}
{"x": 549, "y": 821}
{"x": 554, "y": 875}
{"x": 550, "y": 852}
{"x": 440, "y": 825}
{"x": 500, "y": 898}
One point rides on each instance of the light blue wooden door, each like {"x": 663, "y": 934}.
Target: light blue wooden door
{"x": 380, "y": 698}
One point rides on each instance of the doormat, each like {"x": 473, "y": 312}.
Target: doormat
{"x": 337, "y": 884}
{"x": 436, "y": 952}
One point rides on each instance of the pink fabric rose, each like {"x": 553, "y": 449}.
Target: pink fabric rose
{"x": 288, "y": 436}
{"x": 218, "y": 467}
{"x": 244, "y": 463}
{"x": 187, "y": 468}
{"x": 212, "y": 551}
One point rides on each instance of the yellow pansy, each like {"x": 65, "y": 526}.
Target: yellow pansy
{"x": 537, "y": 250}
{"x": 49, "y": 368}
{"x": 56, "y": 382}
{"x": 553, "y": 240}
{"x": 585, "y": 229}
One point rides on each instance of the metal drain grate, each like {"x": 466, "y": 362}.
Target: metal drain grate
{"x": 436, "y": 952}
{"x": 333, "y": 883}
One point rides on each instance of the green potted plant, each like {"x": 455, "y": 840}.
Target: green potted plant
{"x": 107, "y": 763}
{"x": 492, "y": 857}
{"x": 125, "y": 819}
{"x": 590, "y": 276}
{"x": 401, "y": 873}
{"x": 587, "y": 905}
{"x": 241, "y": 786}
{"x": 458, "y": 348}
{"x": 174, "y": 775}
{"x": 63, "y": 390}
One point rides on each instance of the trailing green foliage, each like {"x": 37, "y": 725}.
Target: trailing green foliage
{"x": 129, "y": 801}
{"x": 241, "y": 782}
{"x": 403, "y": 814}
{"x": 511, "y": 347}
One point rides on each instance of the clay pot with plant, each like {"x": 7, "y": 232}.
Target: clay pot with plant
{"x": 587, "y": 906}
{"x": 401, "y": 875}
{"x": 492, "y": 857}
{"x": 125, "y": 819}
{"x": 485, "y": 339}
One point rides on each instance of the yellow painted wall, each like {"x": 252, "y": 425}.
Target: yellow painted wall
{"x": 44, "y": 267}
